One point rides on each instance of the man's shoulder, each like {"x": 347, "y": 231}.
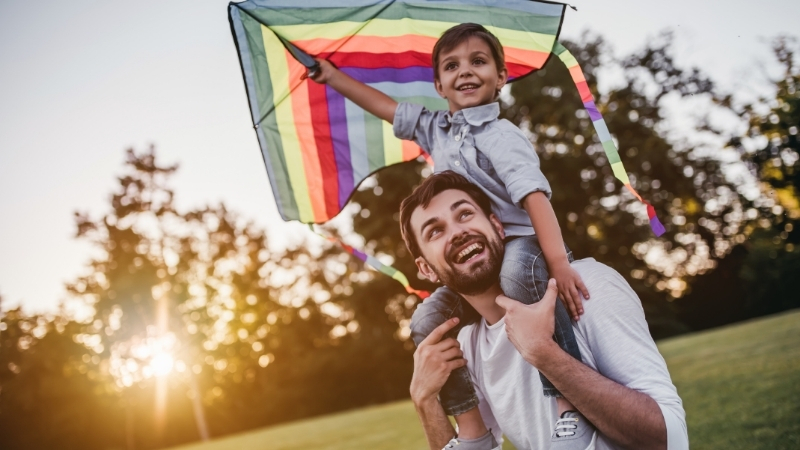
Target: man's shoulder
{"x": 610, "y": 295}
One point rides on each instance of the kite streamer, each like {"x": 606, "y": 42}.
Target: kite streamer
{"x": 318, "y": 146}
{"x": 377, "y": 265}
{"x": 602, "y": 132}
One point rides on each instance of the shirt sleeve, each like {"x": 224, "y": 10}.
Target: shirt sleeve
{"x": 614, "y": 338}
{"x": 413, "y": 122}
{"x": 517, "y": 164}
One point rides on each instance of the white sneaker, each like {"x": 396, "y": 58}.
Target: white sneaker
{"x": 484, "y": 442}
{"x": 573, "y": 432}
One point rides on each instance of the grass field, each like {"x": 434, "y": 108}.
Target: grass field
{"x": 740, "y": 386}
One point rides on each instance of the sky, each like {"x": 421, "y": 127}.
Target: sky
{"x": 83, "y": 80}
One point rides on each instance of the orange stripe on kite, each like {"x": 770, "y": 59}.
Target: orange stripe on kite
{"x": 305, "y": 134}
{"x": 577, "y": 74}
{"x": 410, "y": 150}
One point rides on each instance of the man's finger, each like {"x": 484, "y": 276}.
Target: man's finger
{"x": 438, "y": 333}
{"x": 505, "y": 302}
{"x": 456, "y": 363}
{"x": 551, "y": 293}
{"x": 451, "y": 354}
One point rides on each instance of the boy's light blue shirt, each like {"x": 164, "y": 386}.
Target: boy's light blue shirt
{"x": 492, "y": 153}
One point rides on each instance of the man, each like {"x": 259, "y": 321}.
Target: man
{"x": 622, "y": 387}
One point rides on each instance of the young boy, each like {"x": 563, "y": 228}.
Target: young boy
{"x": 469, "y": 71}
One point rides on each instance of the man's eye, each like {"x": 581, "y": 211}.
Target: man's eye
{"x": 465, "y": 214}
{"x": 434, "y": 232}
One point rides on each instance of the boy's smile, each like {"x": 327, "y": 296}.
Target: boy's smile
{"x": 468, "y": 75}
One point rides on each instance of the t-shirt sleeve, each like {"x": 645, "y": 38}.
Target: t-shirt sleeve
{"x": 414, "y": 122}
{"x": 613, "y": 334}
{"x": 517, "y": 164}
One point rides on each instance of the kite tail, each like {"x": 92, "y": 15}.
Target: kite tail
{"x": 602, "y": 132}
{"x": 377, "y": 265}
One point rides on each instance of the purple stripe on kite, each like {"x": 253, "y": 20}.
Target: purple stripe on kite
{"x": 341, "y": 144}
{"x": 657, "y": 227}
{"x": 409, "y": 74}
{"x": 359, "y": 255}
{"x": 594, "y": 114}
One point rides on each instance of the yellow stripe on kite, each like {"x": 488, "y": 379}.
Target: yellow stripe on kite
{"x": 392, "y": 147}
{"x": 284, "y": 116}
{"x": 394, "y": 28}
{"x": 619, "y": 172}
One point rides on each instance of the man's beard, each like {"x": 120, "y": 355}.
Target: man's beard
{"x": 479, "y": 278}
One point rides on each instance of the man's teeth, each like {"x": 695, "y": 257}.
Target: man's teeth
{"x": 463, "y": 253}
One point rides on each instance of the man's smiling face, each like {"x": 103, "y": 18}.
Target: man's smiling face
{"x": 460, "y": 246}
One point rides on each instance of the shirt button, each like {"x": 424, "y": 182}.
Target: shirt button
{"x": 457, "y": 138}
{"x": 458, "y": 163}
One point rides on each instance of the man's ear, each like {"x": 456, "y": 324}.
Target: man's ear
{"x": 497, "y": 226}
{"x": 426, "y": 270}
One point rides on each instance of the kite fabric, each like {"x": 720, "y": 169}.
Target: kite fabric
{"x": 318, "y": 146}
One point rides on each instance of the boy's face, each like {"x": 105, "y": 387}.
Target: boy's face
{"x": 468, "y": 75}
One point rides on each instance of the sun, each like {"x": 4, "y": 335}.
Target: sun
{"x": 162, "y": 364}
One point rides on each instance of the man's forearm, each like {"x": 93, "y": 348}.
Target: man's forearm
{"x": 438, "y": 429}
{"x": 629, "y": 418}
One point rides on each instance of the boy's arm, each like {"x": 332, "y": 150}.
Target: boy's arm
{"x": 544, "y": 222}
{"x": 368, "y": 98}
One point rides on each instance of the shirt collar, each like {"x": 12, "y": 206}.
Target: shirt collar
{"x": 475, "y": 116}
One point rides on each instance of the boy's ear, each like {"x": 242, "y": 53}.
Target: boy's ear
{"x": 438, "y": 85}
{"x": 426, "y": 270}
{"x": 502, "y": 79}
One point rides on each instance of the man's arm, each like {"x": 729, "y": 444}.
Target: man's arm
{"x": 434, "y": 359}
{"x": 368, "y": 98}
{"x": 630, "y": 418}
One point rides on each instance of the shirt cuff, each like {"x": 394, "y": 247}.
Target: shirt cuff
{"x": 518, "y": 189}
{"x": 677, "y": 435}
{"x": 406, "y": 116}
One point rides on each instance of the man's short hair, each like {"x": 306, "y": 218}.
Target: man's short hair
{"x": 460, "y": 33}
{"x": 424, "y": 193}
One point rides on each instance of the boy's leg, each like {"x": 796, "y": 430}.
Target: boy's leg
{"x": 524, "y": 277}
{"x": 458, "y": 394}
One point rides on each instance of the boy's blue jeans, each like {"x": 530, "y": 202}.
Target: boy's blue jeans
{"x": 523, "y": 277}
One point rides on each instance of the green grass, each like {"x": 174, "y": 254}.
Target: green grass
{"x": 740, "y": 386}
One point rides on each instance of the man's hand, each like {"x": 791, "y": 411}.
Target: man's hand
{"x": 530, "y": 327}
{"x": 571, "y": 287}
{"x": 434, "y": 359}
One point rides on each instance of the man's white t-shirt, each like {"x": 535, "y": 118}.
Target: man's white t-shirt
{"x": 614, "y": 340}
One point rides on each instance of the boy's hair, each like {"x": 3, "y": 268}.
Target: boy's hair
{"x": 424, "y": 193}
{"x": 460, "y": 33}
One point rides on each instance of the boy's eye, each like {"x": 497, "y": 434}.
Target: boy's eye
{"x": 479, "y": 61}
{"x": 449, "y": 66}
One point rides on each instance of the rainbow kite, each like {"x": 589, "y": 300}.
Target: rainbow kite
{"x": 317, "y": 145}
